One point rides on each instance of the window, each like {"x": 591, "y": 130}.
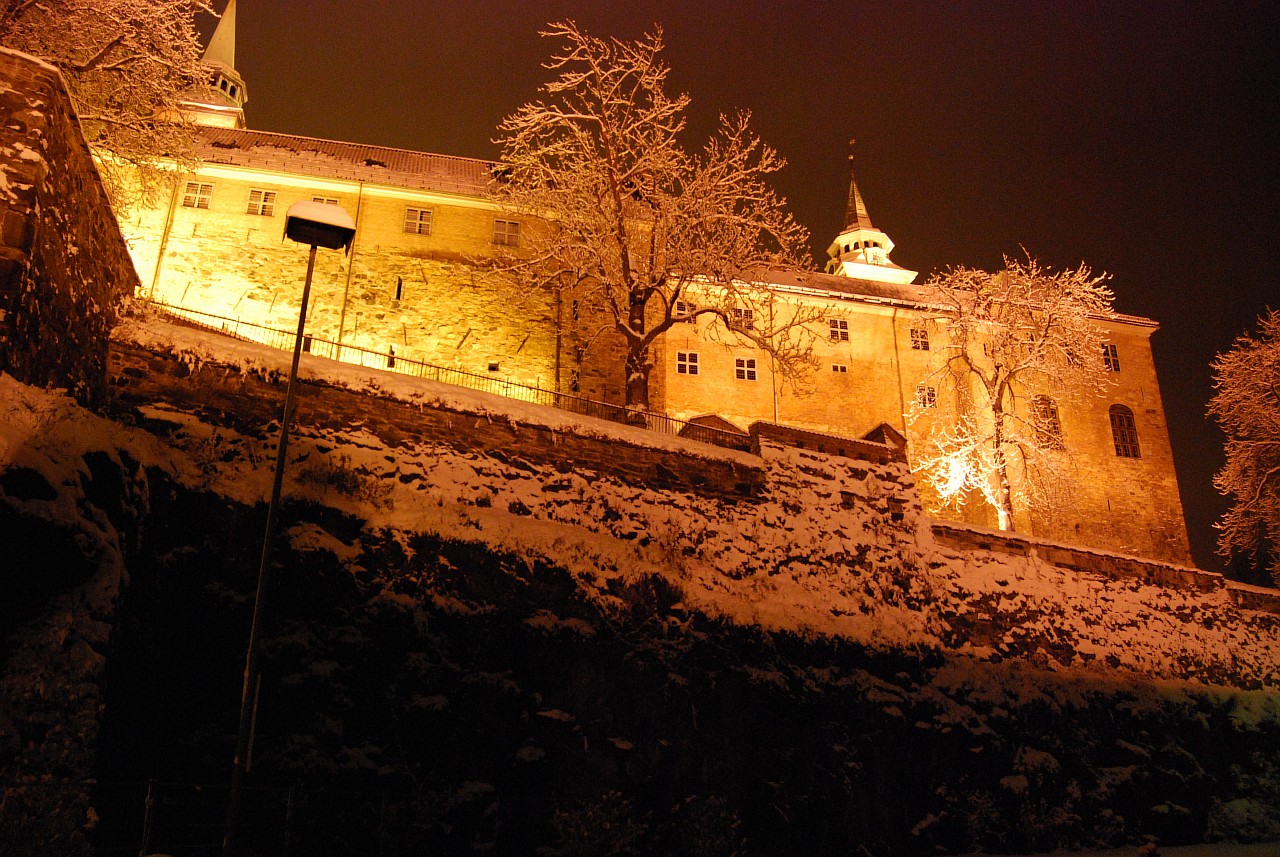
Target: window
{"x": 197, "y": 195}
{"x": 506, "y": 233}
{"x": 742, "y": 319}
{"x": 417, "y": 221}
{"x": 837, "y": 330}
{"x": 919, "y": 339}
{"x": 262, "y": 202}
{"x": 840, "y": 368}
{"x": 926, "y": 397}
{"x": 744, "y": 368}
{"x": 1110, "y": 357}
{"x": 683, "y": 311}
{"x": 1044, "y": 418}
{"x": 686, "y": 363}
{"x": 327, "y": 200}
{"x": 1124, "y": 431}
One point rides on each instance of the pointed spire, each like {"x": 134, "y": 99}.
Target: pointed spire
{"x": 856, "y": 216}
{"x": 220, "y": 100}
{"x": 222, "y": 47}
{"x": 860, "y": 250}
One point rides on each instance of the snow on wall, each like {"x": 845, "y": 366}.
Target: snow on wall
{"x": 822, "y": 545}
{"x": 63, "y": 264}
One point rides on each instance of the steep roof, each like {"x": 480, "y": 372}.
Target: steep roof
{"x": 311, "y": 156}
{"x": 856, "y": 215}
{"x": 222, "y": 45}
{"x": 351, "y": 161}
{"x": 840, "y": 287}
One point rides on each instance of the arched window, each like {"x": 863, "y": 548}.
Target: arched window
{"x": 1044, "y": 417}
{"x": 1124, "y": 431}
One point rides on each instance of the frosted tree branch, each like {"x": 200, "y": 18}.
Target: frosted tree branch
{"x": 635, "y": 220}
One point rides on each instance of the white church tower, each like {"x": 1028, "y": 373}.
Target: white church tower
{"x": 220, "y": 101}
{"x": 861, "y": 251}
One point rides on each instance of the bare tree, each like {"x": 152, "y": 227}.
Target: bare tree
{"x": 644, "y": 233}
{"x": 126, "y": 63}
{"x": 1014, "y": 344}
{"x": 1247, "y": 406}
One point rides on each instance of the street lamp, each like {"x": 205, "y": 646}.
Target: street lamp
{"x": 319, "y": 225}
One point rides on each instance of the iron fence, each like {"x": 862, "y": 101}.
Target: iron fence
{"x": 389, "y": 361}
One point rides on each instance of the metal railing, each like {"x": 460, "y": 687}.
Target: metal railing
{"x": 389, "y": 361}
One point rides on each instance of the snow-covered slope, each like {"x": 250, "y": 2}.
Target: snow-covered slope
{"x": 820, "y": 552}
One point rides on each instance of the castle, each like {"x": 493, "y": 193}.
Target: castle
{"x": 410, "y": 288}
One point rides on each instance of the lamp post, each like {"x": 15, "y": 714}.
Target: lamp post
{"x": 319, "y": 225}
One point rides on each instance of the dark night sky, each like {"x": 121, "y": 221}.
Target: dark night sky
{"x": 1138, "y": 137}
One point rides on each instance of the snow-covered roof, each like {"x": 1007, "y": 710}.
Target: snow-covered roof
{"x": 835, "y": 286}
{"x": 471, "y": 176}
{"x": 335, "y": 159}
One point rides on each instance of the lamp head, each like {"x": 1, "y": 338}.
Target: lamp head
{"x": 320, "y": 224}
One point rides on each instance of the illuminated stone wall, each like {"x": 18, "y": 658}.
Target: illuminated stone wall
{"x": 225, "y": 260}
{"x": 63, "y": 265}
{"x": 451, "y": 312}
{"x": 1128, "y": 505}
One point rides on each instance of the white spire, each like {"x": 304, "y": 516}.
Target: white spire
{"x": 222, "y": 47}
{"x": 220, "y": 101}
{"x": 861, "y": 250}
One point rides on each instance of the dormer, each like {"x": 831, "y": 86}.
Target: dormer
{"x": 861, "y": 250}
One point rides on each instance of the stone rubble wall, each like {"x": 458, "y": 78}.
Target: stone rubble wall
{"x": 248, "y": 401}
{"x": 64, "y": 266}
{"x": 1115, "y": 566}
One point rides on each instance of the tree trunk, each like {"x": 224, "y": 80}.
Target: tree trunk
{"x": 637, "y": 384}
{"x": 1004, "y": 492}
{"x": 637, "y": 366}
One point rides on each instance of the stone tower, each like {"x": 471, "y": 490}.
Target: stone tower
{"x": 220, "y": 101}
{"x": 861, "y": 250}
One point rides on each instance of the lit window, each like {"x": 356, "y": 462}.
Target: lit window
{"x": 327, "y": 200}
{"x": 1124, "y": 432}
{"x": 197, "y": 195}
{"x": 744, "y": 368}
{"x": 417, "y": 221}
{"x": 837, "y": 330}
{"x": 686, "y": 363}
{"x": 1044, "y": 417}
{"x": 506, "y": 233}
{"x": 742, "y": 319}
{"x": 926, "y": 397}
{"x": 919, "y": 339}
{"x": 683, "y": 312}
{"x": 840, "y": 368}
{"x": 1110, "y": 358}
{"x": 262, "y": 202}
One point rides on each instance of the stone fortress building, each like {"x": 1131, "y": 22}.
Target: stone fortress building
{"x": 415, "y": 285}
